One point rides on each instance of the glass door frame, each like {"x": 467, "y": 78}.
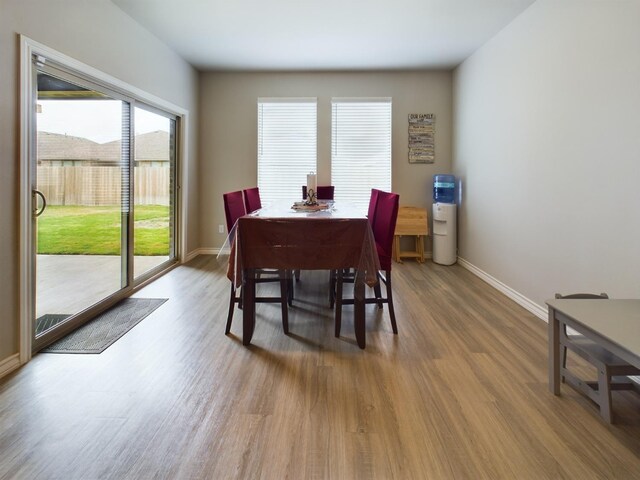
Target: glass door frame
{"x": 174, "y": 197}
{"x": 47, "y": 67}
{"x": 87, "y": 76}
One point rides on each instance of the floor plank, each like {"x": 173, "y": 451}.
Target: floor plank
{"x": 461, "y": 392}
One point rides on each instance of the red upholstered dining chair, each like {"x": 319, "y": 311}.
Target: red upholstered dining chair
{"x": 384, "y": 225}
{"x": 252, "y": 202}
{"x": 324, "y": 192}
{"x": 252, "y": 199}
{"x": 234, "y": 208}
{"x": 373, "y": 201}
{"x": 348, "y": 275}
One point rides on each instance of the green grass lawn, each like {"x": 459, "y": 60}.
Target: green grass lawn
{"x": 82, "y": 230}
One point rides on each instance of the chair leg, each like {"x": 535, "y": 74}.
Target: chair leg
{"x": 392, "y": 314}
{"x": 378, "y": 291}
{"x": 604, "y": 393}
{"x": 338, "y": 304}
{"x": 232, "y": 303}
{"x": 290, "y": 288}
{"x": 564, "y": 363}
{"x": 332, "y": 288}
{"x": 284, "y": 300}
{"x": 296, "y": 273}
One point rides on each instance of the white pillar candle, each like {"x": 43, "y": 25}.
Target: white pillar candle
{"x": 311, "y": 183}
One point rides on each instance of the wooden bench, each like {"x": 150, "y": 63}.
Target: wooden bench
{"x": 412, "y": 221}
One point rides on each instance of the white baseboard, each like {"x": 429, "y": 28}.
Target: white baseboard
{"x": 9, "y": 364}
{"x": 517, "y": 297}
{"x": 200, "y": 251}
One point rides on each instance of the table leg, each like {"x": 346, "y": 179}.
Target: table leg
{"x": 359, "y": 309}
{"x": 396, "y": 248}
{"x": 554, "y": 353}
{"x": 249, "y": 305}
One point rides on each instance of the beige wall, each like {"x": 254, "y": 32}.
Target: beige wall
{"x": 547, "y": 143}
{"x": 99, "y": 34}
{"x": 228, "y": 122}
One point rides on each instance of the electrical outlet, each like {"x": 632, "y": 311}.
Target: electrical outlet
{"x": 220, "y": 228}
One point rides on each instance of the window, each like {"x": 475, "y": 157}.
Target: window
{"x": 360, "y": 148}
{"x": 287, "y": 146}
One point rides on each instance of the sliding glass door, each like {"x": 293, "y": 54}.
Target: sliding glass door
{"x": 154, "y": 190}
{"x": 103, "y": 182}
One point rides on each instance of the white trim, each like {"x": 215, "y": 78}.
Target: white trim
{"x": 287, "y": 99}
{"x": 208, "y": 251}
{"x": 28, "y": 47}
{"x": 102, "y": 77}
{"x": 361, "y": 99}
{"x": 9, "y": 364}
{"x": 200, "y": 251}
{"x": 26, "y": 237}
{"x": 190, "y": 256}
{"x": 183, "y": 184}
{"x": 517, "y": 297}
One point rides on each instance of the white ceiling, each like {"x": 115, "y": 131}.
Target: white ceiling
{"x": 324, "y": 34}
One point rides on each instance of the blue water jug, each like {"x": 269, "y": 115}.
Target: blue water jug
{"x": 444, "y": 187}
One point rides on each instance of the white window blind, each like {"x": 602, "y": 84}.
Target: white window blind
{"x": 287, "y": 146}
{"x": 360, "y": 148}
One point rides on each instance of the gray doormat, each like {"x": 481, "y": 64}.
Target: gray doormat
{"x": 48, "y": 320}
{"x": 101, "y": 332}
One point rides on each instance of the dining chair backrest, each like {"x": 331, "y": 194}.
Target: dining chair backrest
{"x": 233, "y": 207}
{"x": 324, "y": 192}
{"x": 252, "y": 199}
{"x": 384, "y": 225}
{"x": 584, "y": 296}
{"x": 371, "y": 213}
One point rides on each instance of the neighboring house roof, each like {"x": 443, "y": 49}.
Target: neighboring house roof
{"x": 152, "y": 146}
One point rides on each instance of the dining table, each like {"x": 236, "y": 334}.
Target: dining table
{"x": 614, "y": 324}
{"x": 290, "y": 236}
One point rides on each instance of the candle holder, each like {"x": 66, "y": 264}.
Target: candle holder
{"x": 312, "y": 198}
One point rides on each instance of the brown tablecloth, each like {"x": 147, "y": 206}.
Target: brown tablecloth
{"x": 319, "y": 241}
{"x": 286, "y": 240}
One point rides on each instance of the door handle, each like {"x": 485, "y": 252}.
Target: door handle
{"x": 37, "y": 212}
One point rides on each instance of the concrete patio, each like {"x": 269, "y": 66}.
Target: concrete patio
{"x": 68, "y": 284}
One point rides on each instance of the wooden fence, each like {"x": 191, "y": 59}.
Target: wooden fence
{"x": 75, "y": 185}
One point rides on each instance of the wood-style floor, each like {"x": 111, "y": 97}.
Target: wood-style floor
{"x": 460, "y": 393}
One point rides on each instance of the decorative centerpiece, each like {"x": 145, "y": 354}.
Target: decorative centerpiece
{"x": 310, "y": 203}
{"x": 312, "y": 196}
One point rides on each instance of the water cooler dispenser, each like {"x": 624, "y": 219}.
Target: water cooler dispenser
{"x": 445, "y": 245}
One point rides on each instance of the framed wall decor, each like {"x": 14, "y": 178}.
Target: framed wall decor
{"x": 422, "y": 129}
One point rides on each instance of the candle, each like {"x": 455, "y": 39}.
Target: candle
{"x": 311, "y": 183}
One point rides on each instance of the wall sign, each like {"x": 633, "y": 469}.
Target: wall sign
{"x": 422, "y": 129}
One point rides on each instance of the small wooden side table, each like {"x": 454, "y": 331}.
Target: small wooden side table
{"x": 412, "y": 221}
